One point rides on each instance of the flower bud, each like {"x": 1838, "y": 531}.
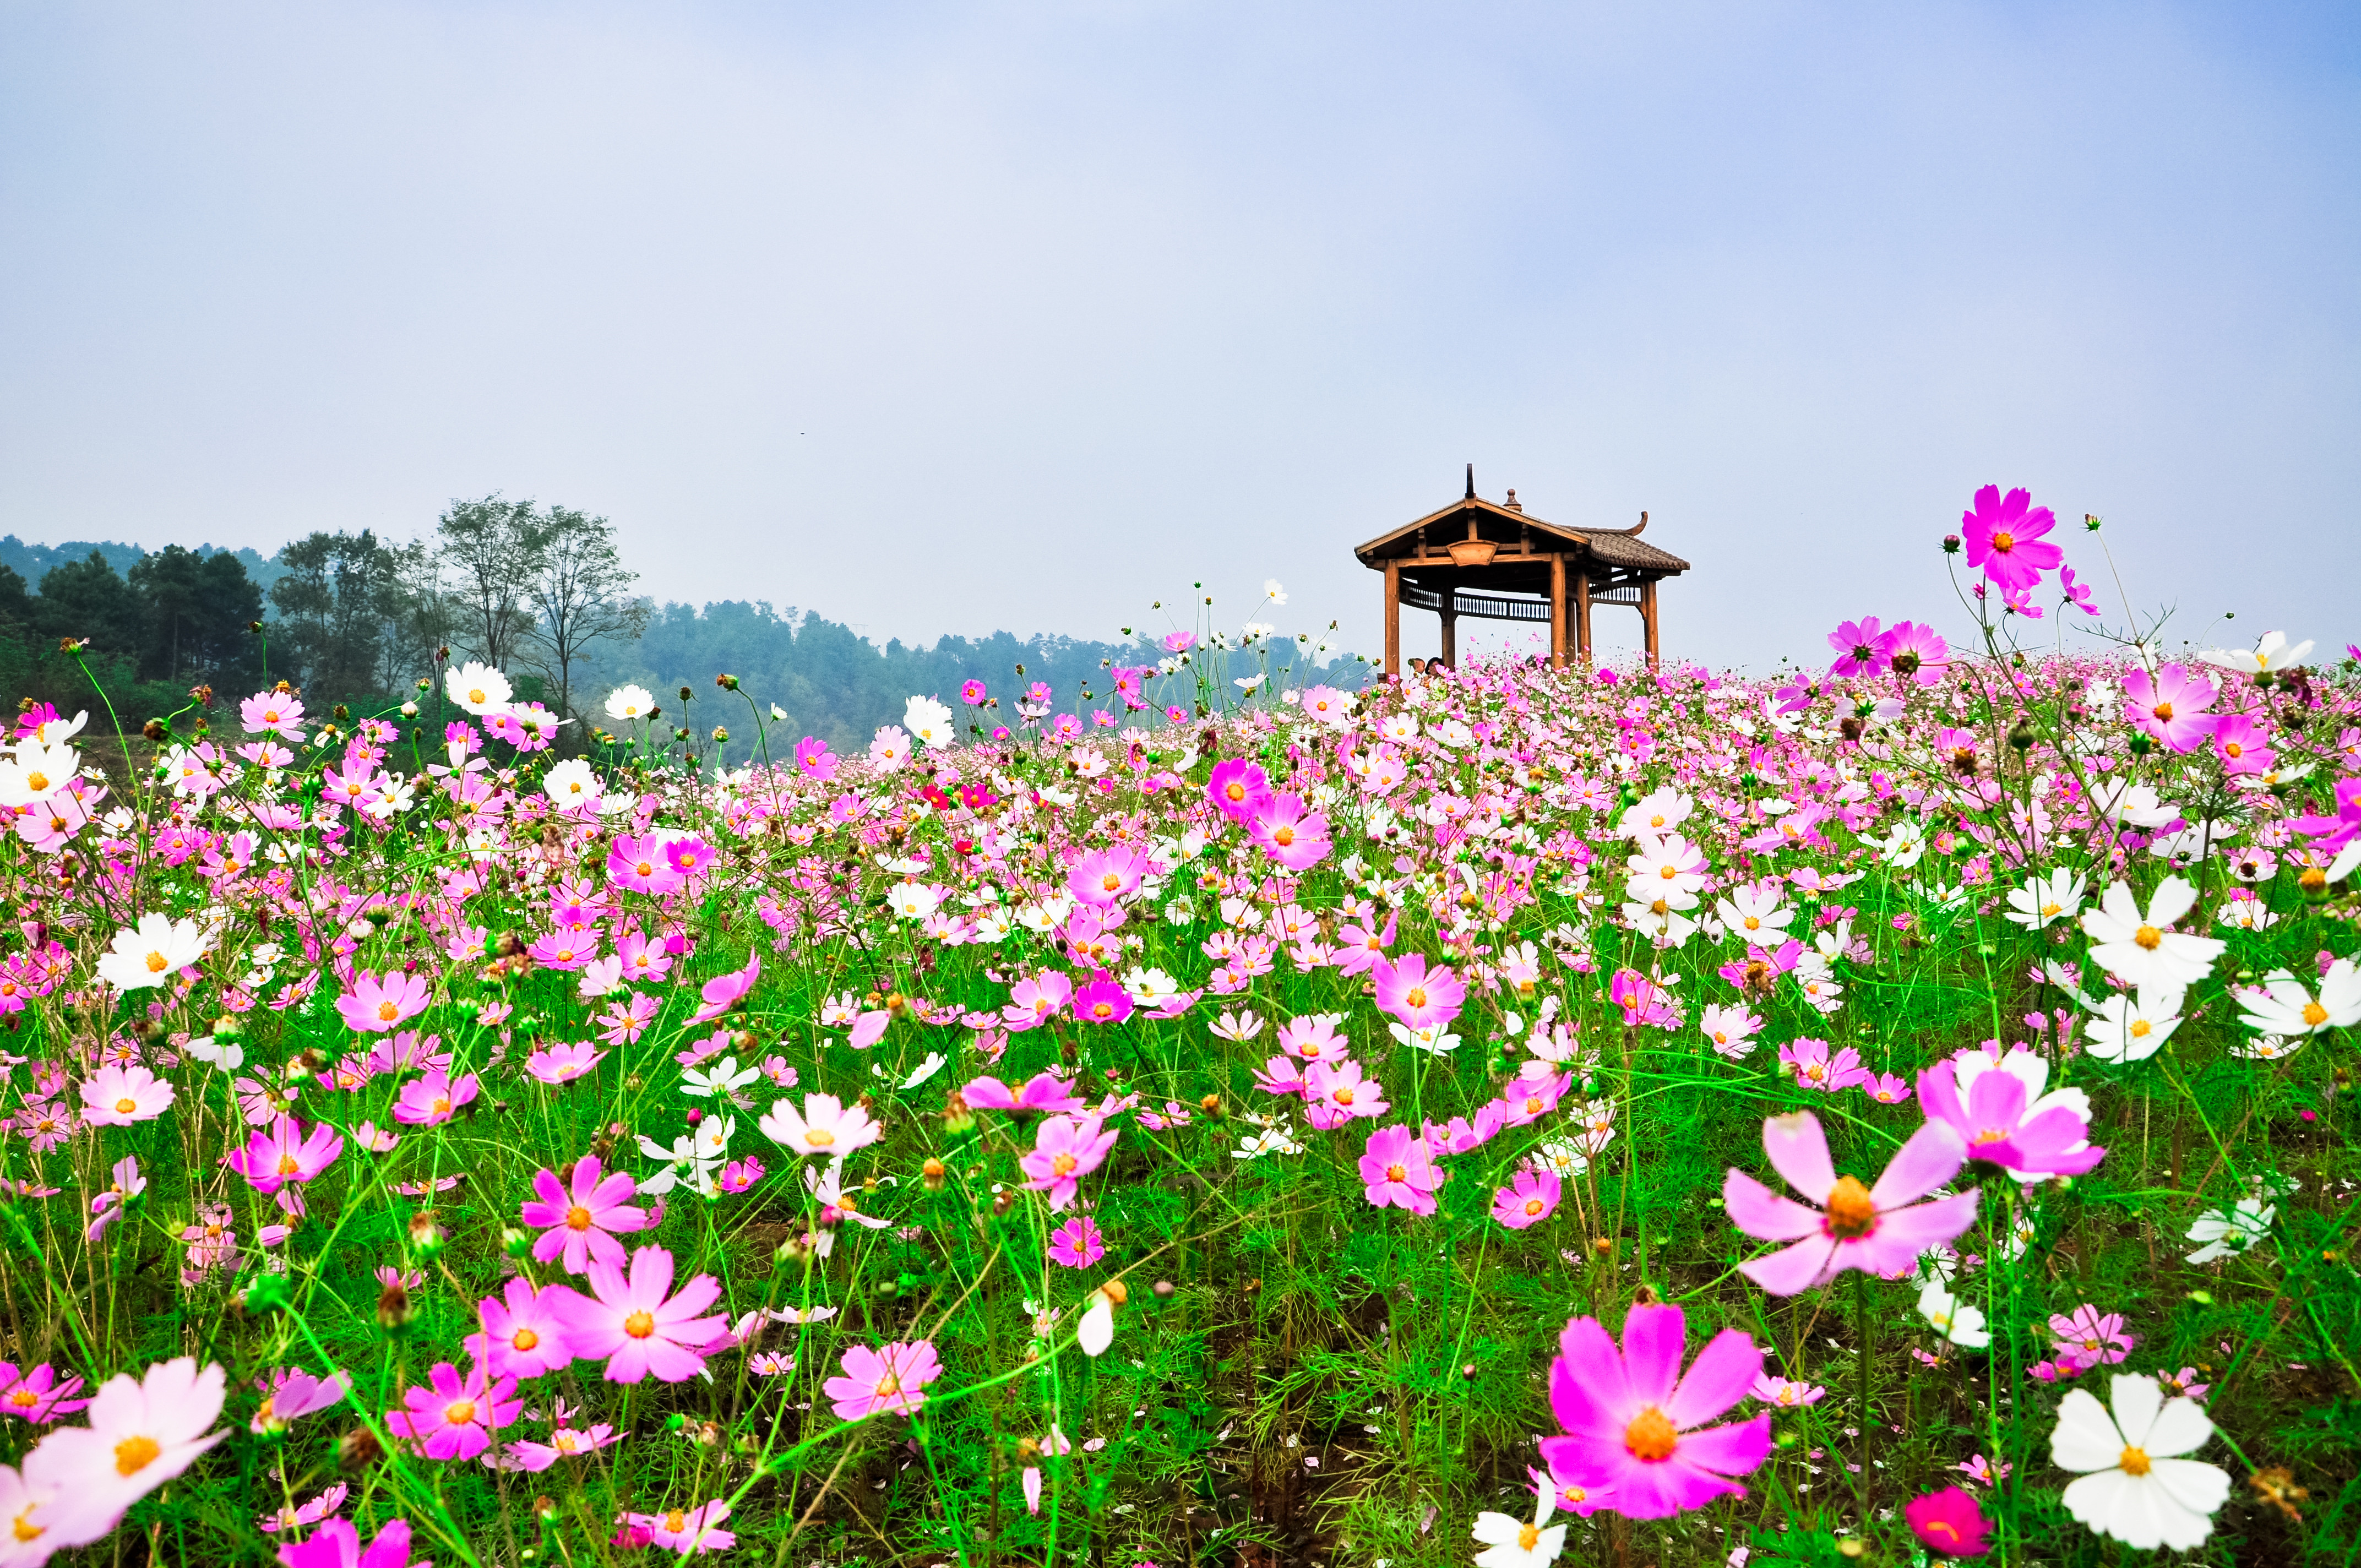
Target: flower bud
{"x": 933, "y": 1174}
{"x": 426, "y": 1236}
{"x": 517, "y": 1243}
{"x": 956, "y": 1117}
{"x": 358, "y": 1449}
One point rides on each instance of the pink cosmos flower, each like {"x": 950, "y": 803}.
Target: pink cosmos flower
{"x": 1886, "y": 1088}
{"x": 1528, "y": 1100}
{"x": 273, "y": 713}
{"x": 454, "y": 1417}
{"x": 1949, "y": 1522}
{"x": 2092, "y": 1337}
{"x": 1034, "y": 1001}
{"x": 563, "y": 1063}
{"x": 1077, "y": 1243}
{"x": 1785, "y": 1393}
{"x": 2004, "y": 538}
{"x": 1882, "y": 1229}
{"x": 1290, "y": 833}
{"x": 38, "y": 1396}
{"x": 2331, "y": 833}
{"x": 1334, "y": 1092}
{"x": 1042, "y": 1091}
{"x": 813, "y": 757}
{"x": 638, "y": 863}
{"x": 628, "y": 1322}
{"x": 686, "y": 1530}
{"x": 1066, "y": 1149}
{"x": 1644, "y": 1003}
{"x": 1237, "y": 789}
{"x": 2004, "y": 1118}
{"x": 827, "y": 1127}
{"x": 1420, "y": 998}
{"x": 1862, "y": 647}
{"x": 141, "y": 1432}
{"x": 308, "y": 1512}
{"x": 723, "y": 991}
{"x": 2243, "y": 745}
{"x": 435, "y": 1098}
{"x": 285, "y": 1153}
{"x": 524, "y": 1333}
{"x": 292, "y": 1393}
{"x": 1102, "y": 1001}
{"x": 892, "y": 1380}
{"x": 2171, "y": 707}
{"x": 1398, "y": 1171}
{"x": 1105, "y": 877}
{"x": 1815, "y": 1067}
{"x": 337, "y": 1544}
{"x": 1917, "y": 652}
{"x": 1635, "y": 1423}
{"x": 378, "y": 1004}
{"x": 117, "y": 1096}
{"x": 1529, "y": 1199}
{"x": 581, "y": 1222}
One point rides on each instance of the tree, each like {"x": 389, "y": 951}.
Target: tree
{"x": 196, "y": 609}
{"x": 492, "y": 552}
{"x": 336, "y": 605}
{"x": 85, "y": 598}
{"x": 581, "y": 596}
{"x": 15, "y": 604}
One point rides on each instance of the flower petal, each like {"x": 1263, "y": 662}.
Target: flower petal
{"x": 1798, "y": 1150}
{"x": 1654, "y": 1338}
{"x": 1932, "y": 1157}
{"x": 1723, "y": 1374}
{"x": 2085, "y": 1438}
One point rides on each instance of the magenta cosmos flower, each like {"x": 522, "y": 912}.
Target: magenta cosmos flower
{"x": 2005, "y": 1117}
{"x": 524, "y": 1331}
{"x": 1882, "y": 1229}
{"x": 2003, "y": 537}
{"x": 337, "y": 1544}
{"x": 39, "y": 1396}
{"x": 1290, "y": 833}
{"x": 435, "y": 1098}
{"x": 1949, "y": 1521}
{"x": 1917, "y": 652}
{"x": 1862, "y": 648}
{"x": 285, "y": 1153}
{"x": 1237, "y": 789}
{"x": 2170, "y": 706}
{"x": 1102, "y": 1001}
{"x": 1635, "y": 1424}
{"x": 454, "y": 1417}
{"x": 1420, "y": 998}
{"x": 724, "y": 992}
{"x": 378, "y": 1004}
{"x": 1066, "y": 1149}
{"x": 1077, "y": 1243}
{"x": 1107, "y": 876}
{"x": 1529, "y": 1199}
{"x": 892, "y": 1380}
{"x": 575, "y": 1222}
{"x": 628, "y": 1322}
{"x": 1398, "y": 1171}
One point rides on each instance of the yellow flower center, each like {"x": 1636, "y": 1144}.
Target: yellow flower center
{"x": 388, "y": 1013}
{"x": 2148, "y": 937}
{"x": 1396, "y": 1173}
{"x": 157, "y": 963}
{"x": 640, "y": 1325}
{"x": 525, "y": 1339}
{"x": 2004, "y": 542}
{"x": 125, "y": 1106}
{"x": 2314, "y": 1013}
{"x": 1063, "y": 1164}
{"x": 1651, "y": 1436}
{"x": 888, "y": 1385}
{"x": 1533, "y": 1206}
{"x": 577, "y": 1218}
{"x": 2163, "y": 711}
{"x": 477, "y": 694}
{"x": 1527, "y": 1534}
{"x": 287, "y": 1165}
{"x": 2135, "y": 1462}
{"x": 460, "y": 1413}
{"x": 1415, "y": 997}
{"x": 25, "y": 1530}
{"x": 1851, "y": 1211}
{"x": 2141, "y": 1028}
{"x": 676, "y": 1521}
{"x": 818, "y": 1137}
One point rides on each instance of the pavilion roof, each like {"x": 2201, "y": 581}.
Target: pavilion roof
{"x": 1517, "y": 532}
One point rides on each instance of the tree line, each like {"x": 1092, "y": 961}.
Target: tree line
{"x": 541, "y": 592}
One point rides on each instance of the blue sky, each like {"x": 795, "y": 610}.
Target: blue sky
{"x": 941, "y": 318}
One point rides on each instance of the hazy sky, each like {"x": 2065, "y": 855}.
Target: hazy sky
{"x": 956, "y": 318}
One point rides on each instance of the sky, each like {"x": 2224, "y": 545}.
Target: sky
{"x": 936, "y": 318}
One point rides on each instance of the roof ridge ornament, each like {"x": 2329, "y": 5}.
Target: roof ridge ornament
{"x": 1471, "y": 481}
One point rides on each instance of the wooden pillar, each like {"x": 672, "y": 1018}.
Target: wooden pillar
{"x": 1648, "y": 617}
{"x": 1557, "y": 611}
{"x": 1450, "y": 614}
{"x": 1393, "y": 618}
{"x": 1582, "y": 615}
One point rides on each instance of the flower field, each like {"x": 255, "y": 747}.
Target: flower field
{"x": 1628, "y": 1116}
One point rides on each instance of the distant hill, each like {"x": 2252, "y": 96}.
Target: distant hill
{"x": 32, "y": 560}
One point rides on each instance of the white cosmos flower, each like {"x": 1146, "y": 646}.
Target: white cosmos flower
{"x": 925, "y": 1069}
{"x": 37, "y": 772}
{"x": 724, "y": 1078}
{"x": 1755, "y": 915}
{"x": 2130, "y": 1028}
{"x": 1096, "y": 1330}
{"x": 625, "y": 703}
{"x": 1954, "y": 1320}
{"x": 2273, "y": 653}
{"x": 571, "y": 782}
{"x": 2046, "y": 900}
{"x": 150, "y": 953}
{"x": 929, "y": 721}
{"x": 2226, "y": 1232}
{"x": 914, "y": 900}
{"x": 2268, "y": 1047}
{"x": 2141, "y": 949}
{"x": 228, "y": 1056}
{"x": 1512, "y": 1544}
{"x": 2135, "y": 1487}
{"x": 2282, "y": 1006}
{"x": 1277, "y": 595}
{"x": 1656, "y": 815}
{"x": 478, "y": 689}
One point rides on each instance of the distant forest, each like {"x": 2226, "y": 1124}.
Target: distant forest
{"x": 541, "y": 592}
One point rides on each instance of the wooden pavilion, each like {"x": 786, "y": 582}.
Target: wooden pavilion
{"x": 1491, "y": 561}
